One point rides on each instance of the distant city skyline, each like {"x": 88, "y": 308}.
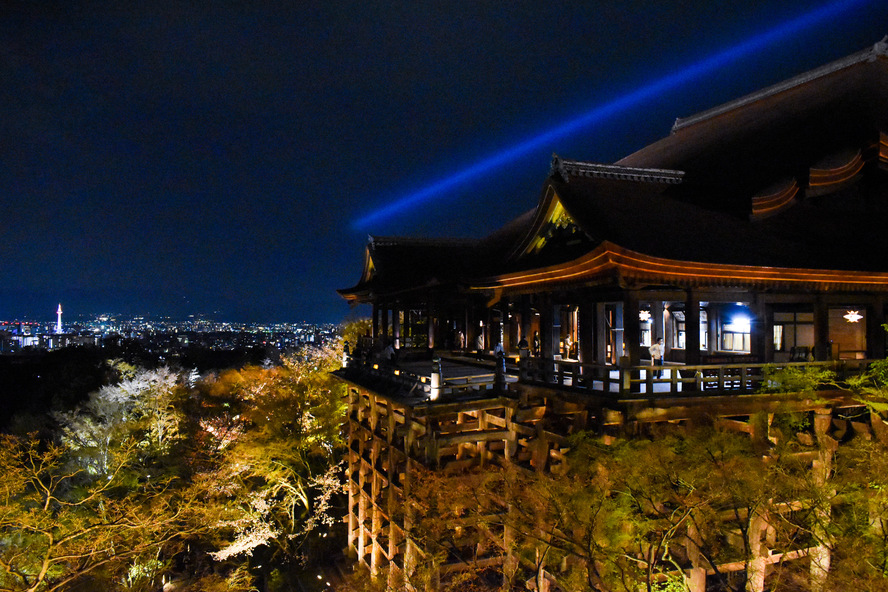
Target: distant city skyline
{"x": 163, "y": 337}
{"x": 50, "y": 318}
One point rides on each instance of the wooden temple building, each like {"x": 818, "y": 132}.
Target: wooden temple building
{"x": 754, "y": 233}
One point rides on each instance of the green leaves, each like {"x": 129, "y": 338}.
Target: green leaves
{"x": 280, "y": 469}
{"x": 63, "y": 524}
{"x": 804, "y": 379}
{"x": 162, "y": 470}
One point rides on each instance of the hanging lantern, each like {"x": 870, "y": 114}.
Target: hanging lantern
{"x": 853, "y": 316}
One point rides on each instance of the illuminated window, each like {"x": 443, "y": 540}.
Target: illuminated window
{"x": 678, "y": 333}
{"x": 778, "y": 337}
{"x": 679, "y": 330}
{"x": 645, "y": 323}
{"x": 793, "y": 330}
{"x": 704, "y": 329}
{"x": 736, "y": 333}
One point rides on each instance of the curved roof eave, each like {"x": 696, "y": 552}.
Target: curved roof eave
{"x": 609, "y": 261}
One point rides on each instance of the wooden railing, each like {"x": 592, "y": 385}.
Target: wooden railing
{"x": 432, "y": 385}
{"x": 669, "y": 380}
{"x": 647, "y": 381}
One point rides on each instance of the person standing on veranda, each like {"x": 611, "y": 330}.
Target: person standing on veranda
{"x": 657, "y": 350}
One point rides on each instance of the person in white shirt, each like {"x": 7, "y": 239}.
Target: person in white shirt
{"x": 657, "y": 350}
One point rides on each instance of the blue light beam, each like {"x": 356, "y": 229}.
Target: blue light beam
{"x": 603, "y": 112}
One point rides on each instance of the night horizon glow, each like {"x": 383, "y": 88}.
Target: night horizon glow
{"x": 602, "y": 112}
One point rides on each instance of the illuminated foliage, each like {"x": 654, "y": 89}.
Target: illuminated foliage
{"x": 63, "y": 526}
{"x": 140, "y": 407}
{"x": 163, "y": 477}
{"x": 795, "y": 379}
{"x": 622, "y": 515}
{"x": 281, "y": 468}
{"x": 354, "y": 332}
{"x": 871, "y": 387}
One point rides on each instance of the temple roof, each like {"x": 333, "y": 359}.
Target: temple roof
{"x": 793, "y": 177}
{"x": 880, "y": 49}
{"x": 746, "y": 145}
{"x": 642, "y": 216}
{"x": 396, "y": 264}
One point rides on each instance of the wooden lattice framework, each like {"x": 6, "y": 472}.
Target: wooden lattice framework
{"x": 391, "y": 437}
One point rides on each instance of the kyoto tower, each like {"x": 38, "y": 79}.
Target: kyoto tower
{"x": 59, "y": 321}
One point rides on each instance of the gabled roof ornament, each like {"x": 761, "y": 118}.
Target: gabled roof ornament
{"x": 575, "y": 168}
{"x": 881, "y": 47}
{"x": 557, "y": 166}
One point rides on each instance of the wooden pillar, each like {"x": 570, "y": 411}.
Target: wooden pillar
{"x": 757, "y": 332}
{"x": 875, "y": 333}
{"x": 619, "y": 348}
{"x": 505, "y": 325}
{"x": 695, "y": 578}
{"x": 396, "y": 328}
{"x": 713, "y": 311}
{"x": 471, "y": 326}
{"x": 668, "y": 329}
{"x": 392, "y": 505}
{"x": 362, "y": 513}
{"x": 526, "y": 319}
{"x": 767, "y": 325}
{"x": 586, "y": 314}
{"x": 465, "y": 324}
{"x": 384, "y": 322}
{"x": 658, "y": 327}
{"x": 354, "y": 463}
{"x": 488, "y": 330}
{"x": 631, "y": 328}
{"x": 375, "y": 323}
{"x": 555, "y": 332}
{"x": 756, "y": 567}
{"x": 692, "y": 328}
{"x": 431, "y": 319}
{"x": 600, "y": 333}
{"x": 547, "y": 346}
{"x": 821, "y": 329}
{"x": 820, "y": 555}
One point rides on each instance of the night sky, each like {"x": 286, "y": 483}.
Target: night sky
{"x": 226, "y": 158}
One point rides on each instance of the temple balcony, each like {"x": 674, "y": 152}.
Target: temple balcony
{"x": 456, "y": 376}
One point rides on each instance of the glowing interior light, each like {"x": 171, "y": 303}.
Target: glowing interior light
{"x": 853, "y": 316}
{"x": 644, "y": 316}
{"x": 739, "y": 324}
{"x": 825, "y": 13}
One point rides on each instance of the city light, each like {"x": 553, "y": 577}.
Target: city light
{"x": 600, "y": 113}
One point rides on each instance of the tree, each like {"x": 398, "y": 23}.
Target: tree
{"x": 354, "y": 330}
{"x": 141, "y": 407}
{"x": 636, "y": 514}
{"x": 157, "y": 477}
{"x": 281, "y": 470}
{"x": 63, "y": 526}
